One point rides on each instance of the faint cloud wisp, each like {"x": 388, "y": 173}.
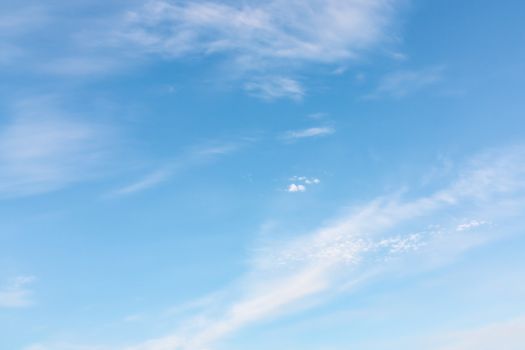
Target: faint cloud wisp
{"x": 17, "y": 294}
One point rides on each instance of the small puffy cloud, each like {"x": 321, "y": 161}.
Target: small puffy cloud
{"x": 296, "y": 188}
{"x": 300, "y": 183}
{"x": 306, "y": 180}
{"x": 294, "y": 272}
{"x": 312, "y": 181}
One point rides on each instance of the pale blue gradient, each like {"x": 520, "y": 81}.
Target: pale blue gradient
{"x": 325, "y": 175}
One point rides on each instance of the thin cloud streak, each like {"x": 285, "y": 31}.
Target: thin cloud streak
{"x": 287, "y": 274}
{"x": 149, "y": 181}
{"x": 290, "y": 275}
{"x": 194, "y": 157}
{"x": 402, "y": 83}
{"x": 41, "y": 151}
{"x": 307, "y": 133}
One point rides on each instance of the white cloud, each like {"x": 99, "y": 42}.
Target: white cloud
{"x": 296, "y": 188}
{"x": 470, "y": 225}
{"x": 287, "y": 274}
{"x": 271, "y": 88}
{"x": 17, "y": 293}
{"x": 271, "y": 40}
{"x": 307, "y": 133}
{"x": 292, "y": 274}
{"x": 43, "y": 151}
{"x": 264, "y": 44}
{"x": 402, "y": 244}
{"x": 300, "y": 183}
{"x": 255, "y": 32}
{"x": 306, "y": 180}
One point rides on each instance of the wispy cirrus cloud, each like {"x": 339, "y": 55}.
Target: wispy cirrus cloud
{"x": 402, "y": 83}
{"x": 193, "y": 157}
{"x": 470, "y": 225}
{"x": 271, "y": 88}
{"x": 256, "y": 33}
{"x": 318, "y": 131}
{"x": 17, "y": 293}
{"x": 43, "y": 150}
{"x": 149, "y": 181}
{"x": 367, "y": 242}
{"x": 286, "y": 275}
{"x": 272, "y": 40}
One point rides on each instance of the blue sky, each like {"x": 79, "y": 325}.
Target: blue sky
{"x": 281, "y": 174}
